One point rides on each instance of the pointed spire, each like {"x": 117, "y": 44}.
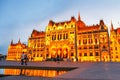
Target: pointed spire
{"x": 11, "y": 42}
{"x": 101, "y": 22}
{"x": 79, "y": 16}
{"x": 112, "y": 28}
{"x": 19, "y": 41}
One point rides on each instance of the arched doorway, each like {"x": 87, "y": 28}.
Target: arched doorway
{"x": 53, "y": 52}
{"x": 105, "y": 56}
{"x": 59, "y": 52}
{"x": 65, "y": 53}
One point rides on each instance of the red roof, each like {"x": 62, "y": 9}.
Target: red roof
{"x": 89, "y": 28}
{"x": 118, "y": 30}
{"x": 36, "y": 33}
{"x": 51, "y": 23}
{"x": 16, "y": 44}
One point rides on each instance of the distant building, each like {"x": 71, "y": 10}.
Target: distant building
{"x": 15, "y": 50}
{"x": 115, "y": 44}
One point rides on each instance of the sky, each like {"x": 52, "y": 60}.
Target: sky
{"x": 18, "y": 18}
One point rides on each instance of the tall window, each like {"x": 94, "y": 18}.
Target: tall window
{"x": 63, "y": 36}
{"x": 85, "y": 41}
{"x": 60, "y": 36}
{"x": 91, "y": 54}
{"x": 71, "y": 26}
{"x": 37, "y": 55}
{"x": 85, "y": 54}
{"x": 55, "y": 37}
{"x": 91, "y": 41}
{"x": 65, "y": 26}
{"x": 33, "y": 55}
{"x": 52, "y": 37}
{"x": 85, "y": 47}
{"x": 116, "y": 56}
{"x": 54, "y": 28}
{"x": 96, "y": 54}
{"x": 47, "y": 55}
{"x": 88, "y": 41}
{"x": 72, "y": 47}
{"x": 80, "y": 54}
{"x": 95, "y": 41}
{"x": 66, "y": 36}
{"x": 79, "y": 42}
{"x": 72, "y": 54}
{"x": 104, "y": 47}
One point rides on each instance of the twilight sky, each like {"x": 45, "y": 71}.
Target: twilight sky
{"x": 19, "y": 17}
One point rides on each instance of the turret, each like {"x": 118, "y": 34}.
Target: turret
{"x": 19, "y": 41}
{"x": 11, "y": 42}
{"x": 112, "y": 28}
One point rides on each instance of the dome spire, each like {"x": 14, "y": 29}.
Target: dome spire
{"x": 79, "y": 16}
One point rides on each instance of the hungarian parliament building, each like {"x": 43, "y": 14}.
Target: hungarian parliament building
{"x": 70, "y": 40}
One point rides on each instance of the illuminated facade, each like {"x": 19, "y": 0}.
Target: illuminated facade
{"x": 70, "y": 40}
{"x": 74, "y": 40}
{"x": 59, "y": 39}
{"x": 15, "y": 50}
{"x": 92, "y": 42}
{"x": 115, "y": 44}
{"x": 36, "y": 46}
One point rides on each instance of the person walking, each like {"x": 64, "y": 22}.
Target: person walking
{"x": 25, "y": 59}
{"x": 22, "y": 58}
{"x": 58, "y": 59}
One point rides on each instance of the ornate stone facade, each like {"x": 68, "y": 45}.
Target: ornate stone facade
{"x": 15, "y": 50}
{"x": 115, "y": 44}
{"x": 71, "y": 40}
{"x": 36, "y": 46}
{"x": 92, "y": 42}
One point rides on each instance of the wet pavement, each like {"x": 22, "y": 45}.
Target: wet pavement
{"x": 83, "y": 71}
